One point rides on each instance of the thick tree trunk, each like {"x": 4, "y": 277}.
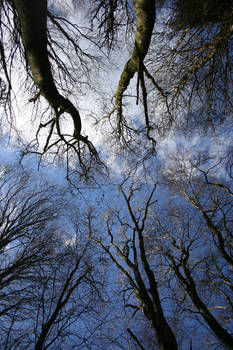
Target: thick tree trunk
{"x": 33, "y": 20}
{"x": 151, "y": 307}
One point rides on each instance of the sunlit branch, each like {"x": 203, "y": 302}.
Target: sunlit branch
{"x": 145, "y": 11}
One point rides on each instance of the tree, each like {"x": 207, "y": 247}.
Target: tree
{"x": 199, "y": 249}
{"x": 48, "y": 280}
{"x": 189, "y": 70}
{"x": 30, "y": 25}
{"x": 133, "y": 254}
{"x": 25, "y": 213}
{"x": 175, "y": 257}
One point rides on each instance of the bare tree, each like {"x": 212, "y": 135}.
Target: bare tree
{"x": 195, "y": 237}
{"x": 27, "y": 214}
{"x": 175, "y": 257}
{"x": 31, "y": 29}
{"x": 132, "y": 261}
{"x": 189, "y": 69}
{"x": 50, "y": 282}
{"x": 70, "y": 291}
